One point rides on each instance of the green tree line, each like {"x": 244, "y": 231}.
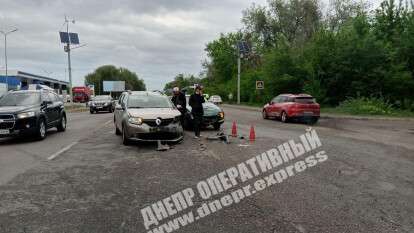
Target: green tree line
{"x": 112, "y": 73}
{"x": 345, "y": 50}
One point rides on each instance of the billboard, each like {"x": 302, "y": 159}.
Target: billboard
{"x": 113, "y": 86}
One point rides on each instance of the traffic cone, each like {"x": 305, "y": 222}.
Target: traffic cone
{"x": 252, "y": 137}
{"x": 234, "y": 130}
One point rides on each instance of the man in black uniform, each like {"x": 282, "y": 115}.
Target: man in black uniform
{"x": 180, "y": 102}
{"x": 196, "y": 103}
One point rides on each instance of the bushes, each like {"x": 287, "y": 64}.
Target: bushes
{"x": 366, "y": 106}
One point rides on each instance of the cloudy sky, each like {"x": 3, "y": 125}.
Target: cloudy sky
{"x": 157, "y": 39}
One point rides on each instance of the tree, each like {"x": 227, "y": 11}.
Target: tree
{"x": 296, "y": 21}
{"x": 182, "y": 81}
{"x": 112, "y": 73}
{"x": 346, "y": 53}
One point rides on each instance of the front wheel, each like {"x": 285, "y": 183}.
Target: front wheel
{"x": 91, "y": 111}
{"x": 264, "y": 115}
{"x": 41, "y": 130}
{"x": 62, "y": 124}
{"x": 284, "y": 117}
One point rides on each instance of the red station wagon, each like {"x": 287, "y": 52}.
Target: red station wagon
{"x": 289, "y": 106}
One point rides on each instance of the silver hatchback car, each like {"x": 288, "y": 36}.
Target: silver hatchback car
{"x": 147, "y": 116}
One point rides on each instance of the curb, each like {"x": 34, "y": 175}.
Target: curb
{"x": 328, "y": 116}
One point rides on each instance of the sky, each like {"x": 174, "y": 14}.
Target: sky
{"x": 157, "y": 39}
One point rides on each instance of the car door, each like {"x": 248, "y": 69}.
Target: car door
{"x": 47, "y": 108}
{"x": 119, "y": 110}
{"x": 55, "y": 107}
{"x": 272, "y": 109}
{"x": 278, "y": 106}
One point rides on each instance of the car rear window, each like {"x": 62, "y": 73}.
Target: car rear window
{"x": 305, "y": 100}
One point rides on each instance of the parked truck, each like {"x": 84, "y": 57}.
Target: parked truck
{"x": 81, "y": 94}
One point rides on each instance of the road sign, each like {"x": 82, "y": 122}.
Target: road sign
{"x": 243, "y": 47}
{"x": 113, "y": 86}
{"x": 259, "y": 85}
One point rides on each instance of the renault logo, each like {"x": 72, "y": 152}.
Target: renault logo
{"x": 158, "y": 121}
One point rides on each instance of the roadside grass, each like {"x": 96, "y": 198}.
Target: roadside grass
{"x": 340, "y": 111}
{"x": 367, "y": 107}
{"x": 250, "y": 104}
{"x": 75, "y": 108}
{"x": 370, "y": 107}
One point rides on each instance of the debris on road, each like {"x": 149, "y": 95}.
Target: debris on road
{"x": 162, "y": 147}
{"x": 220, "y": 136}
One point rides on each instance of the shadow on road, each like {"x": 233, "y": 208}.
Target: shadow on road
{"x": 24, "y": 139}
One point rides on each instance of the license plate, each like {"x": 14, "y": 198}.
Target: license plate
{"x": 4, "y": 131}
{"x": 308, "y": 113}
{"x": 155, "y": 129}
{"x": 99, "y": 107}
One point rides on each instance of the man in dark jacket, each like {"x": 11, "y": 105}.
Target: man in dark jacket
{"x": 196, "y": 102}
{"x": 180, "y": 102}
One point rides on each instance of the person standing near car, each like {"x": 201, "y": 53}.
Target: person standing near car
{"x": 180, "y": 102}
{"x": 196, "y": 103}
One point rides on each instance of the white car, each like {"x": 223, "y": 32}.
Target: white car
{"x": 215, "y": 99}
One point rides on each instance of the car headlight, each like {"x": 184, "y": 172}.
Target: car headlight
{"x": 221, "y": 114}
{"x": 136, "y": 120}
{"x": 105, "y": 104}
{"x": 26, "y": 115}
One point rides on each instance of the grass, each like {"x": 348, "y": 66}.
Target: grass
{"x": 75, "y": 107}
{"x": 339, "y": 111}
{"x": 375, "y": 107}
{"x": 367, "y": 107}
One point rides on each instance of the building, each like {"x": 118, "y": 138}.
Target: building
{"x": 20, "y": 80}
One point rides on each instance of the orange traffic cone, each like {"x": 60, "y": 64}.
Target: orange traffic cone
{"x": 252, "y": 137}
{"x": 234, "y": 130}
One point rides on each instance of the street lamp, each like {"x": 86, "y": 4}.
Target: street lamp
{"x": 5, "y": 51}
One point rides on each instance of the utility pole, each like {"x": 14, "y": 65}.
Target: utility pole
{"x": 69, "y": 62}
{"x": 238, "y": 77}
{"x": 243, "y": 49}
{"x": 5, "y": 53}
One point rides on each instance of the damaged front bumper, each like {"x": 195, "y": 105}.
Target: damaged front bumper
{"x": 170, "y": 133}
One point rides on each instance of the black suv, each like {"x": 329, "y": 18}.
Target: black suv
{"x": 101, "y": 103}
{"x": 31, "y": 113}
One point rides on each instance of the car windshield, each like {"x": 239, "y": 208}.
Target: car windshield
{"x": 101, "y": 98}
{"x": 305, "y": 100}
{"x": 20, "y": 99}
{"x": 144, "y": 101}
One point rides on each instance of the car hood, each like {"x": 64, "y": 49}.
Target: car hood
{"x": 210, "y": 109}
{"x": 15, "y": 109}
{"x": 154, "y": 113}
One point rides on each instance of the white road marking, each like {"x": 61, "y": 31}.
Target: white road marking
{"x": 61, "y": 151}
{"x": 108, "y": 122}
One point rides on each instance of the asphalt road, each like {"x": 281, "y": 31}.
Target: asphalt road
{"x": 17, "y": 155}
{"x": 99, "y": 185}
